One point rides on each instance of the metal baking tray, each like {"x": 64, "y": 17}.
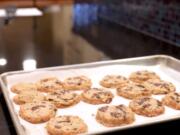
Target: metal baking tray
{"x": 167, "y": 65}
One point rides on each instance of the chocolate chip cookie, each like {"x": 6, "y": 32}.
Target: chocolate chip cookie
{"x": 97, "y": 96}
{"x": 28, "y": 96}
{"x": 142, "y": 76}
{"x": 63, "y": 98}
{"x": 50, "y": 84}
{"x": 77, "y": 83}
{"x": 114, "y": 81}
{"x": 19, "y": 87}
{"x": 159, "y": 86}
{"x": 147, "y": 106}
{"x": 66, "y": 125}
{"x": 111, "y": 116}
{"x": 172, "y": 100}
{"x": 37, "y": 112}
{"x": 133, "y": 90}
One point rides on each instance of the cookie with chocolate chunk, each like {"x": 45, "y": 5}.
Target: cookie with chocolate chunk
{"x": 172, "y": 100}
{"x": 133, "y": 90}
{"x": 49, "y": 84}
{"x": 147, "y": 106}
{"x": 114, "y": 81}
{"x": 111, "y": 116}
{"x": 77, "y": 83}
{"x": 28, "y": 96}
{"x": 66, "y": 125}
{"x": 63, "y": 98}
{"x": 159, "y": 86}
{"x": 19, "y": 87}
{"x": 142, "y": 76}
{"x": 37, "y": 112}
{"x": 97, "y": 96}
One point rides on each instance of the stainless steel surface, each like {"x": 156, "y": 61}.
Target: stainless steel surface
{"x": 168, "y": 63}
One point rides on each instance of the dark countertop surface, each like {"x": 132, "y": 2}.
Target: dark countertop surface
{"x": 70, "y": 34}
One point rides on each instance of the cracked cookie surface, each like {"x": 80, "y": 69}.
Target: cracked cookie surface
{"x": 111, "y": 116}
{"x": 147, "y": 106}
{"x": 66, "y": 125}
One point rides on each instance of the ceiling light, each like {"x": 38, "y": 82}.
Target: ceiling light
{"x": 22, "y": 12}
{"x": 3, "y": 61}
{"x": 29, "y": 64}
{"x": 28, "y": 12}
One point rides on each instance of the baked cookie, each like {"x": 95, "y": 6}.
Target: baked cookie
{"x": 114, "y": 81}
{"x": 77, "y": 83}
{"x": 159, "y": 86}
{"x": 172, "y": 100}
{"x": 132, "y": 91}
{"x": 37, "y": 112}
{"x": 142, "y": 76}
{"x": 63, "y": 98}
{"x": 147, "y": 106}
{"x": 50, "y": 84}
{"x": 66, "y": 125}
{"x": 28, "y": 96}
{"x": 111, "y": 116}
{"x": 97, "y": 96}
{"x": 19, "y": 87}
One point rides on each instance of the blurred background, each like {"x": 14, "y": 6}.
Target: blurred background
{"x": 46, "y": 33}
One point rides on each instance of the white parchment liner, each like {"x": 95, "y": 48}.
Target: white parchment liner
{"x": 86, "y": 111}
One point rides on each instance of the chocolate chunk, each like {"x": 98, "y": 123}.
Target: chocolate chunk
{"x": 146, "y": 105}
{"x": 177, "y": 95}
{"x": 108, "y": 100}
{"x": 103, "y": 109}
{"x": 64, "y": 121}
{"x": 58, "y": 82}
{"x": 116, "y": 114}
{"x": 118, "y": 77}
{"x": 50, "y": 99}
{"x": 119, "y": 107}
{"x": 159, "y": 103}
{"x": 141, "y": 86}
{"x": 37, "y": 107}
{"x": 67, "y": 99}
{"x": 138, "y": 73}
{"x": 96, "y": 95}
{"x": 178, "y": 101}
{"x": 172, "y": 97}
{"x": 157, "y": 84}
{"x": 141, "y": 101}
{"x": 57, "y": 126}
{"x": 166, "y": 86}
{"x": 45, "y": 80}
{"x": 47, "y": 86}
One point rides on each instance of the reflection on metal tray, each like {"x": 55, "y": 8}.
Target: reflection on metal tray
{"x": 169, "y": 67}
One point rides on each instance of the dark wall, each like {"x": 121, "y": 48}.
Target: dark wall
{"x": 158, "y": 18}
{"x": 105, "y": 30}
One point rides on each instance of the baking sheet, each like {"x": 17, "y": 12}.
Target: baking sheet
{"x": 87, "y": 111}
